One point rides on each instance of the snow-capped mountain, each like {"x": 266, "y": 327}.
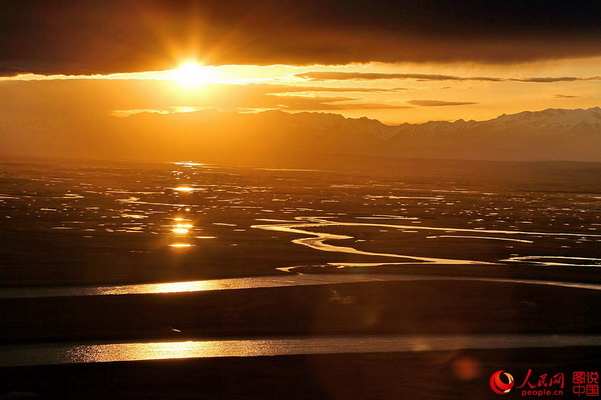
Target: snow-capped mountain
{"x": 550, "y": 120}
{"x": 553, "y": 134}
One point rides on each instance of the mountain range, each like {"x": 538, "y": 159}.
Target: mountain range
{"x": 552, "y": 134}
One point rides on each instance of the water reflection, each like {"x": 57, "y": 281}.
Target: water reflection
{"x": 180, "y": 287}
{"x": 181, "y": 245}
{"x": 564, "y": 261}
{"x": 180, "y": 229}
{"x": 188, "y": 164}
{"x": 185, "y": 189}
{"x": 135, "y": 351}
{"x": 318, "y": 241}
{"x": 75, "y": 353}
{"x": 262, "y": 282}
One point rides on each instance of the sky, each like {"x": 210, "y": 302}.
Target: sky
{"x": 396, "y": 61}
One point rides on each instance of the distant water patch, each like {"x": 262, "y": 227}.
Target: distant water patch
{"x": 559, "y": 261}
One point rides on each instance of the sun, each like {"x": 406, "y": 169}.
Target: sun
{"x": 192, "y": 74}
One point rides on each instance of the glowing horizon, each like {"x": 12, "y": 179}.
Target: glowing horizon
{"x": 391, "y": 93}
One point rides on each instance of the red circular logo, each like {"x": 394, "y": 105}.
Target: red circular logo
{"x": 497, "y": 385}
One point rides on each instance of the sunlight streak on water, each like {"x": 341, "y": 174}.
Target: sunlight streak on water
{"x": 75, "y": 353}
{"x": 180, "y": 245}
{"x": 264, "y": 282}
{"x": 188, "y": 164}
{"x": 184, "y": 189}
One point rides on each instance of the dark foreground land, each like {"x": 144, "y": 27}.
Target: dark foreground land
{"x": 356, "y": 310}
{"x": 535, "y": 229}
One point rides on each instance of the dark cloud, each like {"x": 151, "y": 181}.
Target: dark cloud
{"x": 302, "y": 103}
{"x": 550, "y": 79}
{"x": 557, "y": 79}
{"x": 308, "y": 89}
{"x": 438, "y": 103}
{"x": 105, "y": 36}
{"x": 268, "y": 88}
{"x": 362, "y": 76}
{"x": 564, "y": 96}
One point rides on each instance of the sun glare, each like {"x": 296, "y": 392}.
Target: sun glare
{"x": 192, "y": 74}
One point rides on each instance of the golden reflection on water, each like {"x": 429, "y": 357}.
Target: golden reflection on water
{"x": 181, "y": 229}
{"x": 178, "y": 287}
{"x": 184, "y": 189}
{"x": 180, "y": 245}
{"x": 189, "y": 164}
{"x": 141, "y": 351}
{"x": 262, "y": 282}
{"x": 464, "y": 368}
